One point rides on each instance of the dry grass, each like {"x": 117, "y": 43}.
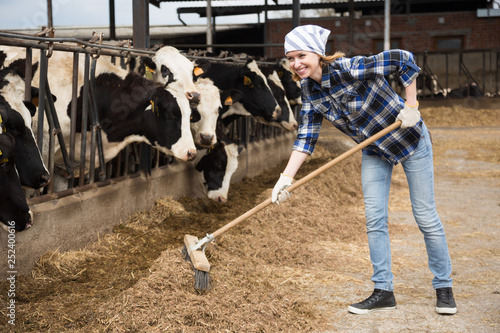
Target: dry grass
{"x": 264, "y": 271}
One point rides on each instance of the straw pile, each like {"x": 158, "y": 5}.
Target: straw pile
{"x": 266, "y": 272}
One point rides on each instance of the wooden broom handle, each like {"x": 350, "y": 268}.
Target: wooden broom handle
{"x": 310, "y": 176}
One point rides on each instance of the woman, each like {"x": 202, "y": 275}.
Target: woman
{"x": 354, "y": 96}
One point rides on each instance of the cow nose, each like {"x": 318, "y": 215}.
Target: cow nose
{"x": 221, "y": 199}
{"x": 44, "y": 179}
{"x": 206, "y": 139}
{"x": 191, "y": 155}
{"x": 194, "y": 98}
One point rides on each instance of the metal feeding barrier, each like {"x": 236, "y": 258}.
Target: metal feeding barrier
{"x": 129, "y": 161}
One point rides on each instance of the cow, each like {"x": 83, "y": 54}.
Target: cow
{"x": 287, "y": 118}
{"x": 216, "y": 166}
{"x": 292, "y": 88}
{"x": 14, "y": 209}
{"x": 16, "y": 114}
{"x": 130, "y": 108}
{"x": 257, "y": 100}
{"x": 169, "y": 65}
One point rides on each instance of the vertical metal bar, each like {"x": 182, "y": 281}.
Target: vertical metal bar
{"x": 209, "y": 25}
{"x": 295, "y": 13}
{"x": 29, "y": 74}
{"x": 140, "y": 19}
{"x": 387, "y": 25}
{"x": 425, "y": 72}
{"x": 85, "y": 108}
{"x": 96, "y": 126}
{"x": 72, "y": 133}
{"x": 460, "y": 73}
{"x": 49, "y": 14}
{"x": 447, "y": 76}
{"x": 484, "y": 73}
{"x": 112, "y": 26}
{"x": 41, "y": 98}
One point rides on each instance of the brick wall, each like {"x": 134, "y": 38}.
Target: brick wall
{"x": 414, "y": 32}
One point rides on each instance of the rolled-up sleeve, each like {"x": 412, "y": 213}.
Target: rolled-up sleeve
{"x": 308, "y": 131}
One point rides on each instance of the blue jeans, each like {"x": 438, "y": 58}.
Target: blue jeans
{"x": 376, "y": 179}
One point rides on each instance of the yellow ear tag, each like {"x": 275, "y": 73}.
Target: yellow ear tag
{"x": 34, "y": 100}
{"x": 153, "y": 108}
{"x": 228, "y": 101}
{"x": 247, "y": 81}
{"x": 3, "y": 160}
{"x": 149, "y": 73}
{"x": 198, "y": 71}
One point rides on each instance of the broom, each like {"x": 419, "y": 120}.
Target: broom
{"x": 194, "y": 249}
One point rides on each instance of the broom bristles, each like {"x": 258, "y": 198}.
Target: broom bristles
{"x": 201, "y": 278}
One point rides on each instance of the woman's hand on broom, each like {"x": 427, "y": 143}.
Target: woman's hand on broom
{"x": 280, "y": 194}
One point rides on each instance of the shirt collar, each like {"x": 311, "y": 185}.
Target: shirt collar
{"x": 325, "y": 80}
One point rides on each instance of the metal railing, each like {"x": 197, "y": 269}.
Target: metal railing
{"x": 129, "y": 161}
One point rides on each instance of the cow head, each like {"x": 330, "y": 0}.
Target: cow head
{"x": 258, "y": 100}
{"x": 286, "y": 119}
{"x": 171, "y": 66}
{"x": 16, "y": 115}
{"x": 217, "y": 167}
{"x": 14, "y": 210}
{"x": 204, "y": 122}
{"x": 168, "y": 120}
{"x": 292, "y": 88}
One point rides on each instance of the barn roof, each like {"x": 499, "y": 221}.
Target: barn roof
{"x": 413, "y": 6}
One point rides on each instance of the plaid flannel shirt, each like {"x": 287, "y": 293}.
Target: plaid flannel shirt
{"x": 356, "y": 98}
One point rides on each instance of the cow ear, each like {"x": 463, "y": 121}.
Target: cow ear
{"x": 31, "y": 107}
{"x": 35, "y": 94}
{"x": 3, "y": 56}
{"x": 229, "y": 97}
{"x": 147, "y": 61}
{"x": 19, "y": 66}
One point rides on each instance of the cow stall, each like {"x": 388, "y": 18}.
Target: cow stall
{"x": 88, "y": 195}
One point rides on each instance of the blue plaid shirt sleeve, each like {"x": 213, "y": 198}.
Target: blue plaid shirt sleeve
{"x": 308, "y": 131}
{"x": 400, "y": 62}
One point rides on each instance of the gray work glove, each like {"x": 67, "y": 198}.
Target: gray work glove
{"x": 409, "y": 116}
{"x": 280, "y": 194}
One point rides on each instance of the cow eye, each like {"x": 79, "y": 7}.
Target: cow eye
{"x": 165, "y": 71}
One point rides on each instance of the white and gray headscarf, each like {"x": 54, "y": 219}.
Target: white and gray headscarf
{"x": 307, "y": 38}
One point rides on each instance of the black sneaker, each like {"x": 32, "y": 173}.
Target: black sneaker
{"x": 380, "y": 300}
{"x": 445, "y": 302}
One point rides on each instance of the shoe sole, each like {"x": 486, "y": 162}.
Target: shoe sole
{"x": 354, "y": 310}
{"x": 449, "y": 311}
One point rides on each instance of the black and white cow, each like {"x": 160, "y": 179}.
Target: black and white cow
{"x": 257, "y": 100}
{"x": 16, "y": 117}
{"x": 130, "y": 107}
{"x": 292, "y": 88}
{"x": 169, "y": 65}
{"x": 14, "y": 210}
{"x": 287, "y": 118}
{"x": 216, "y": 166}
